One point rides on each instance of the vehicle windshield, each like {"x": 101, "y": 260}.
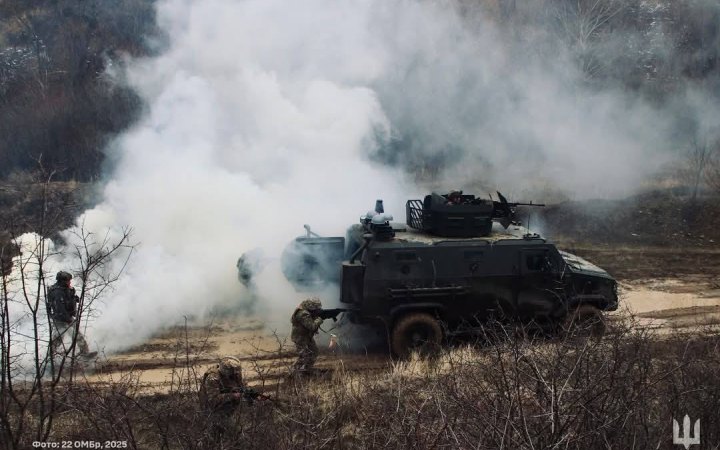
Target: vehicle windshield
{"x": 578, "y": 263}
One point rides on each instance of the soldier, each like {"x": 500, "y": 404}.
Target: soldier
{"x": 249, "y": 265}
{"x": 454, "y": 198}
{"x": 305, "y": 324}
{"x": 62, "y": 303}
{"x": 221, "y": 392}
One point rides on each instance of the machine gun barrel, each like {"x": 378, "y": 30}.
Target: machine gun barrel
{"x": 504, "y": 211}
{"x": 513, "y": 205}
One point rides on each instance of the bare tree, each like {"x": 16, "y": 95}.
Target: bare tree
{"x": 34, "y": 380}
{"x": 712, "y": 171}
{"x": 697, "y": 158}
{"x": 581, "y": 22}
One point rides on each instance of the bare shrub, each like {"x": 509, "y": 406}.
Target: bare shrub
{"x": 712, "y": 172}
{"x": 697, "y": 161}
{"x": 507, "y": 390}
{"x": 36, "y": 380}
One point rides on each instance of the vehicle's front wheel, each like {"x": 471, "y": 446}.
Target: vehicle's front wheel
{"x": 419, "y": 332}
{"x": 585, "y": 320}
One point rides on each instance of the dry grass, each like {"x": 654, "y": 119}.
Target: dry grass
{"x": 501, "y": 392}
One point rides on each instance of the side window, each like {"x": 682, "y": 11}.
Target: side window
{"x": 537, "y": 262}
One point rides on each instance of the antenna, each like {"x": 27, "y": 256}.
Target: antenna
{"x": 310, "y": 233}
{"x": 529, "y": 233}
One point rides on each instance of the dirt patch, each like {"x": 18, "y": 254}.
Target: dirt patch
{"x": 171, "y": 347}
{"x": 682, "y": 312}
{"x": 163, "y": 359}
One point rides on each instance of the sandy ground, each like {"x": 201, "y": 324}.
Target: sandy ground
{"x": 671, "y": 304}
{"x": 161, "y": 363}
{"x": 652, "y": 290}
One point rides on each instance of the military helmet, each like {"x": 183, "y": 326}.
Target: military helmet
{"x": 63, "y": 277}
{"x": 311, "y": 304}
{"x": 229, "y": 366}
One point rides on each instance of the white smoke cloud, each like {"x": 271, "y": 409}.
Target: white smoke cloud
{"x": 265, "y": 115}
{"x": 259, "y": 121}
{"x": 499, "y": 110}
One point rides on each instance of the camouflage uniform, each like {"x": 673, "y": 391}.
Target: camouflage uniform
{"x": 221, "y": 393}
{"x": 304, "y": 328}
{"x": 249, "y": 265}
{"x": 62, "y": 302}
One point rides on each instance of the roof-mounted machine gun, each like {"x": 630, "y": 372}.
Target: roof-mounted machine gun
{"x": 504, "y": 211}
{"x": 460, "y": 215}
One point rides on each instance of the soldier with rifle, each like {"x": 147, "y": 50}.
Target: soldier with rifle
{"x": 62, "y": 306}
{"x": 306, "y": 321}
{"x": 305, "y": 325}
{"x": 222, "y": 390}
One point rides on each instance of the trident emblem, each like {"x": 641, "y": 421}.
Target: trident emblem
{"x": 686, "y": 439}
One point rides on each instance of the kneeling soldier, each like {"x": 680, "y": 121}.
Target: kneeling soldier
{"x": 221, "y": 392}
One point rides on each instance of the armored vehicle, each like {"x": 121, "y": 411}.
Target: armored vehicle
{"x": 455, "y": 264}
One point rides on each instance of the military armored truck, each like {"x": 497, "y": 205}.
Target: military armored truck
{"x": 455, "y": 264}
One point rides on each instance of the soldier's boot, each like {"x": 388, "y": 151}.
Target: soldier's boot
{"x": 84, "y": 349}
{"x": 298, "y": 367}
{"x": 311, "y": 357}
{"x": 303, "y": 366}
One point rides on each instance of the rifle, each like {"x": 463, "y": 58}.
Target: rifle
{"x": 250, "y": 395}
{"x": 329, "y": 313}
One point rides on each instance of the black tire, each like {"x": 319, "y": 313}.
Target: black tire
{"x": 585, "y": 320}
{"x": 419, "y": 332}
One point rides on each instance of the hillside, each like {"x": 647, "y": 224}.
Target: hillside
{"x": 62, "y": 94}
{"x": 655, "y": 218}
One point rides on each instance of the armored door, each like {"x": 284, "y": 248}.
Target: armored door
{"x": 538, "y": 284}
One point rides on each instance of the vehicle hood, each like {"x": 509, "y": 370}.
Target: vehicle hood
{"x": 582, "y": 266}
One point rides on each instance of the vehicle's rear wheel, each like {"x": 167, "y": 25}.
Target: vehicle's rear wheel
{"x": 585, "y": 320}
{"x": 419, "y": 332}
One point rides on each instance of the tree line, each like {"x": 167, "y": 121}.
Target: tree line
{"x": 58, "y": 100}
